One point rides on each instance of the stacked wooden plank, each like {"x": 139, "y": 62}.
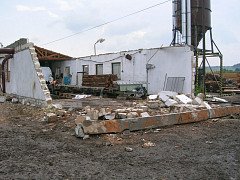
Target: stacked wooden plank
{"x": 99, "y": 80}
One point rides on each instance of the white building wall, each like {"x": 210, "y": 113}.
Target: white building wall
{"x": 168, "y": 62}
{"x": 23, "y": 77}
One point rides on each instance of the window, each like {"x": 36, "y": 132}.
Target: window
{"x": 85, "y": 69}
{"x": 99, "y": 69}
{"x": 116, "y": 69}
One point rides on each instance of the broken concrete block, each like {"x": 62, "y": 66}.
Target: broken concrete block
{"x": 145, "y": 114}
{"x": 219, "y": 100}
{"x": 79, "y": 131}
{"x": 197, "y": 101}
{"x": 184, "y": 99}
{"x": 51, "y": 117}
{"x": 102, "y": 112}
{"x": 110, "y": 116}
{"x": 57, "y": 106}
{"x": 165, "y": 95}
{"x": 2, "y": 99}
{"x": 205, "y": 104}
{"x": 201, "y": 95}
{"x": 120, "y": 110}
{"x": 121, "y": 116}
{"x": 153, "y": 97}
{"x": 132, "y": 115}
{"x": 171, "y": 102}
{"x": 153, "y": 104}
{"x": 15, "y": 100}
{"x": 80, "y": 119}
{"x": 144, "y": 108}
{"x": 93, "y": 114}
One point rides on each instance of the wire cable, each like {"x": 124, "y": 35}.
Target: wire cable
{"x": 103, "y": 24}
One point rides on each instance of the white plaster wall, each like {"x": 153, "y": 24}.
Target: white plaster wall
{"x": 23, "y": 77}
{"x": 173, "y": 62}
{"x": 170, "y": 61}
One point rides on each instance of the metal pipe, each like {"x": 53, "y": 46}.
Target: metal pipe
{"x": 189, "y": 23}
{"x": 3, "y": 72}
{"x": 174, "y": 20}
{"x": 184, "y": 23}
{"x": 7, "y": 51}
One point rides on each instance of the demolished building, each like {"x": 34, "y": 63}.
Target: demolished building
{"x": 157, "y": 69}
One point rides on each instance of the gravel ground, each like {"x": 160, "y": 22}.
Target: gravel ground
{"x": 32, "y": 149}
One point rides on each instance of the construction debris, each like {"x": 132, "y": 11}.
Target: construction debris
{"x": 2, "y": 99}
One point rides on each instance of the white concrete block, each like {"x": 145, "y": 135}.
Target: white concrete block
{"x": 153, "y": 97}
{"x": 219, "y": 100}
{"x": 170, "y": 102}
{"x": 184, "y": 99}
{"x": 2, "y": 99}
{"x": 145, "y": 114}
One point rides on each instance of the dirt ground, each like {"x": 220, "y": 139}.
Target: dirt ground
{"x": 30, "y": 148}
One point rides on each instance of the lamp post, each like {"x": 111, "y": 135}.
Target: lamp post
{"x": 98, "y": 41}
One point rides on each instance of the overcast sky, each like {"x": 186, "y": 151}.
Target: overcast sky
{"x": 47, "y": 20}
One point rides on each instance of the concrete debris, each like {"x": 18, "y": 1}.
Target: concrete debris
{"x": 171, "y": 102}
{"x": 79, "y": 131}
{"x": 15, "y": 100}
{"x": 165, "y": 95}
{"x": 148, "y": 144}
{"x": 205, "y": 104}
{"x": 81, "y": 96}
{"x": 219, "y": 100}
{"x": 80, "y": 119}
{"x": 51, "y": 117}
{"x": 128, "y": 149}
{"x": 110, "y": 116}
{"x": 2, "y": 99}
{"x": 57, "y": 106}
{"x": 153, "y": 97}
{"x": 153, "y": 104}
{"x": 145, "y": 114}
{"x": 121, "y": 116}
{"x": 132, "y": 115}
{"x": 183, "y": 99}
{"x": 197, "y": 101}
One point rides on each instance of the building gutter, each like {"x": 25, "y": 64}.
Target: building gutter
{"x": 9, "y": 52}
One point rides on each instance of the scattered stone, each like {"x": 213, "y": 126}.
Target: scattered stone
{"x": 86, "y": 137}
{"x": 145, "y": 114}
{"x": 79, "y": 131}
{"x": 93, "y": 114}
{"x": 51, "y": 118}
{"x": 153, "y": 104}
{"x": 15, "y": 100}
{"x": 128, "y": 149}
{"x": 148, "y": 144}
{"x": 2, "y": 99}
{"x": 144, "y": 108}
{"x": 184, "y": 99}
{"x": 121, "y": 116}
{"x": 80, "y": 119}
{"x": 132, "y": 115}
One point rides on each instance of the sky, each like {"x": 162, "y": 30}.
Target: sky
{"x": 48, "y": 20}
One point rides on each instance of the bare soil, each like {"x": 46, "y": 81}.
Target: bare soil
{"x": 30, "y": 148}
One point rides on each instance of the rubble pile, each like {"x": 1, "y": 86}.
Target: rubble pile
{"x": 165, "y": 102}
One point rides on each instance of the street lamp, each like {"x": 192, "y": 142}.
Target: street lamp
{"x": 98, "y": 41}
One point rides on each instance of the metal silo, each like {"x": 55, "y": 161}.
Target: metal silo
{"x": 191, "y": 18}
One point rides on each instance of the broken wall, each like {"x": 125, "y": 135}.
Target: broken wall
{"x": 164, "y": 62}
{"x": 26, "y": 80}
